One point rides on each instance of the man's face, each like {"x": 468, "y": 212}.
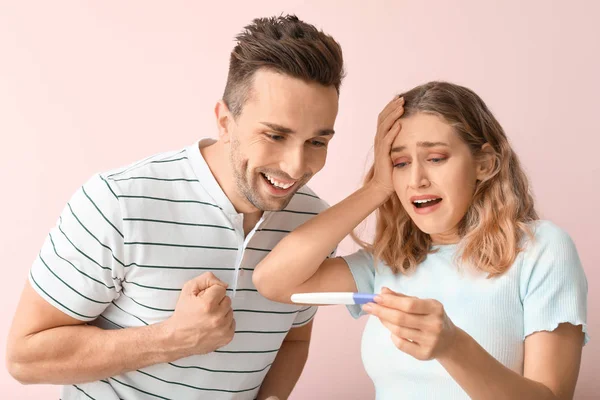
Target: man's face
{"x": 280, "y": 139}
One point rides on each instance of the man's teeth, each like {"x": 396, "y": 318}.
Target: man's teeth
{"x": 278, "y": 184}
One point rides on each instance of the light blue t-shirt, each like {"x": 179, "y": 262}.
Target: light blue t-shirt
{"x": 545, "y": 286}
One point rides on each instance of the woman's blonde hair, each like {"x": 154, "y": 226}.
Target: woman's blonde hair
{"x": 502, "y": 206}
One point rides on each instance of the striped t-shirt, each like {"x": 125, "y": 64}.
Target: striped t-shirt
{"x": 126, "y": 243}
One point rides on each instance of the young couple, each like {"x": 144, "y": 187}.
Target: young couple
{"x": 171, "y": 278}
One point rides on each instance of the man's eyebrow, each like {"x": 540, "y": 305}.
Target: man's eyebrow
{"x": 282, "y": 129}
{"x": 277, "y": 128}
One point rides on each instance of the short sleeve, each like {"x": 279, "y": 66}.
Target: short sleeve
{"x": 333, "y": 253}
{"x": 80, "y": 266}
{"x": 362, "y": 267}
{"x": 304, "y": 316}
{"x": 553, "y": 283}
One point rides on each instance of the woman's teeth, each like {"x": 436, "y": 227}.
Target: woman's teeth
{"x": 278, "y": 184}
{"x": 426, "y": 203}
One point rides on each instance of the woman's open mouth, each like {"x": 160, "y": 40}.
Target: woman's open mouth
{"x": 426, "y": 203}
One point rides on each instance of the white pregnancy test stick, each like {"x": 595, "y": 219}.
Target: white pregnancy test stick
{"x": 333, "y": 298}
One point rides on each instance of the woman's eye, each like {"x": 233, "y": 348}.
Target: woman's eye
{"x": 437, "y": 160}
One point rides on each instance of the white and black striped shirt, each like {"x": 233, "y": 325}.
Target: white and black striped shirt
{"x": 126, "y": 243}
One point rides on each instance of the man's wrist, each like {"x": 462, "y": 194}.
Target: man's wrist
{"x": 165, "y": 338}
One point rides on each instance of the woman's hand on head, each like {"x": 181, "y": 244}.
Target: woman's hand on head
{"x": 419, "y": 327}
{"x": 388, "y": 127}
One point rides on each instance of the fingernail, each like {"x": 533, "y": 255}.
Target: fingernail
{"x": 378, "y": 299}
{"x": 367, "y": 307}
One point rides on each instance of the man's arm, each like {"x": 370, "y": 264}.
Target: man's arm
{"x": 288, "y": 364}
{"x": 46, "y": 345}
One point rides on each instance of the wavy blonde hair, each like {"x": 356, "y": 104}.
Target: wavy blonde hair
{"x": 502, "y": 207}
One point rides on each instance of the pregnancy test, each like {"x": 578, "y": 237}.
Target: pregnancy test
{"x": 333, "y": 298}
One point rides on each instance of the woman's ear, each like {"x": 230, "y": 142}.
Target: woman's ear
{"x": 224, "y": 120}
{"x": 485, "y": 162}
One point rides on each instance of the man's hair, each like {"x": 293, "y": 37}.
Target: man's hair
{"x": 286, "y": 45}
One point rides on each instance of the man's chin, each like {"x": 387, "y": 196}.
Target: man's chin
{"x": 275, "y": 205}
{"x": 268, "y": 202}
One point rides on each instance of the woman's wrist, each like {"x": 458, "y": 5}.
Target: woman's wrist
{"x": 378, "y": 190}
{"x": 457, "y": 348}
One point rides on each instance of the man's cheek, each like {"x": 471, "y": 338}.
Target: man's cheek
{"x": 318, "y": 165}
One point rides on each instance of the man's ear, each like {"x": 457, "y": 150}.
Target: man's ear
{"x": 224, "y": 121}
{"x": 486, "y": 162}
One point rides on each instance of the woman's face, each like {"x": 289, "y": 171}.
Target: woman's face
{"x": 434, "y": 176}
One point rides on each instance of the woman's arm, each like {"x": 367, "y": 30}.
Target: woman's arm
{"x": 551, "y": 367}
{"x": 298, "y": 263}
{"x": 421, "y": 328}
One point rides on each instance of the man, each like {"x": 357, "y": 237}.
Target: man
{"x": 144, "y": 288}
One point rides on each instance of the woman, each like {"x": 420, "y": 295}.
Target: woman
{"x": 466, "y": 274}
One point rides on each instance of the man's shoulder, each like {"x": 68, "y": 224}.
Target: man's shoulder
{"x": 162, "y": 181}
{"x": 169, "y": 166}
{"x": 150, "y": 164}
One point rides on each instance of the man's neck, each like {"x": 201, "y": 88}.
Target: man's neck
{"x": 218, "y": 162}
{"x": 250, "y": 221}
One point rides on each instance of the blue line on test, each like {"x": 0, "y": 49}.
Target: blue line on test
{"x": 363, "y": 298}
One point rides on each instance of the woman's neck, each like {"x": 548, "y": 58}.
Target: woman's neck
{"x": 450, "y": 237}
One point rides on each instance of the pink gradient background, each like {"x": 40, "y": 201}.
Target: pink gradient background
{"x": 87, "y": 86}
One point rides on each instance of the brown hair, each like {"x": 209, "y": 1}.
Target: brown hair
{"x": 286, "y": 45}
{"x": 502, "y": 206}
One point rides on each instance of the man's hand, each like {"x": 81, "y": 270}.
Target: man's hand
{"x": 203, "y": 318}
{"x": 48, "y": 346}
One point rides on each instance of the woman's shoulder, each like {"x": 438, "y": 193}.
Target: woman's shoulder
{"x": 547, "y": 236}
{"x": 550, "y": 251}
